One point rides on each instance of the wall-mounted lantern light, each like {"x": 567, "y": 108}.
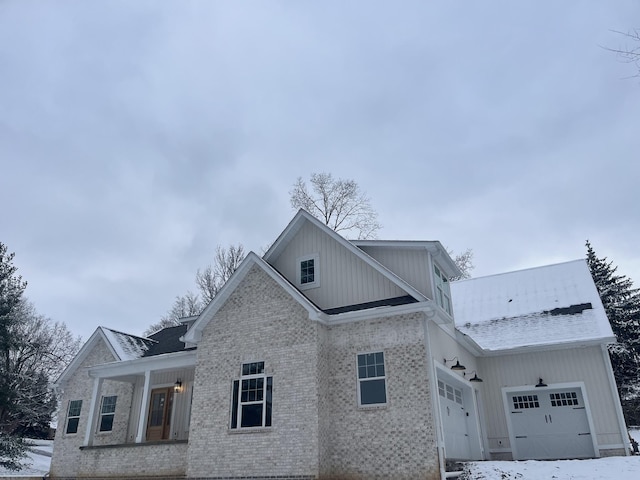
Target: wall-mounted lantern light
{"x": 457, "y": 366}
{"x": 541, "y": 383}
{"x": 177, "y": 387}
{"x": 475, "y": 377}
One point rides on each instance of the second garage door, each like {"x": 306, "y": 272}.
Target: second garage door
{"x": 549, "y": 424}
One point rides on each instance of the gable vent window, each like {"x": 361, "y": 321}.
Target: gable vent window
{"x": 443, "y": 294}
{"x": 251, "y": 403}
{"x": 307, "y": 271}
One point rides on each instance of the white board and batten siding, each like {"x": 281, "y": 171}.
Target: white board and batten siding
{"x": 555, "y": 367}
{"x": 410, "y": 264}
{"x": 181, "y": 402}
{"x": 344, "y": 279}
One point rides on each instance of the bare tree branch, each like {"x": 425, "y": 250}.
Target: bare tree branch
{"x": 338, "y": 203}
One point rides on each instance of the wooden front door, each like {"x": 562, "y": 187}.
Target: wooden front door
{"x": 159, "y": 424}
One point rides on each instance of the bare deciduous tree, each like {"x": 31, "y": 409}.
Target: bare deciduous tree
{"x": 211, "y": 279}
{"x": 209, "y": 282}
{"x": 340, "y": 204}
{"x": 629, "y": 53}
{"x": 464, "y": 261}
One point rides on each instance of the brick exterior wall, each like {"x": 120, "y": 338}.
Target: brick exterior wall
{"x": 396, "y": 441}
{"x": 318, "y": 429}
{"x": 259, "y": 322}
{"x": 69, "y": 461}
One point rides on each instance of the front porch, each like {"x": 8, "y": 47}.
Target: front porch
{"x": 155, "y": 409}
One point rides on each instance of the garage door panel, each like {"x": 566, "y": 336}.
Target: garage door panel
{"x": 550, "y": 424}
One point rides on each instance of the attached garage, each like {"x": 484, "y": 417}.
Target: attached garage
{"x": 549, "y": 423}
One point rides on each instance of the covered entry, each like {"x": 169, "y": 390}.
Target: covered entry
{"x": 458, "y": 414}
{"x": 549, "y": 423}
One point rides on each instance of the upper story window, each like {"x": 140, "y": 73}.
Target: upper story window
{"x": 107, "y": 413}
{"x": 73, "y": 416}
{"x": 251, "y": 404}
{"x": 443, "y": 293}
{"x": 372, "y": 380}
{"x": 308, "y": 271}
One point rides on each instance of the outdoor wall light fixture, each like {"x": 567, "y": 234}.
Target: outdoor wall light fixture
{"x": 541, "y": 383}
{"x": 457, "y": 366}
{"x": 475, "y": 377}
{"x": 177, "y": 388}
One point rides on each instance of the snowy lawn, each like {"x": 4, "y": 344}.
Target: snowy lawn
{"x": 38, "y": 460}
{"x": 612, "y": 468}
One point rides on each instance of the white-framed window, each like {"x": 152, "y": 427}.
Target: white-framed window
{"x": 73, "y": 416}
{"x": 308, "y": 272}
{"x": 372, "y": 379}
{"x": 251, "y": 397}
{"x": 443, "y": 293}
{"x": 107, "y": 413}
{"x": 450, "y": 392}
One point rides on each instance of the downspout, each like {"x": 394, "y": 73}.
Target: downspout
{"x": 433, "y": 386}
{"x": 614, "y": 391}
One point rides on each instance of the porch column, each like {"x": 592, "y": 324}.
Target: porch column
{"x": 144, "y": 407}
{"x": 91, "y": 421}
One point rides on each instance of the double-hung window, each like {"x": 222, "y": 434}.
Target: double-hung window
{"x": 73, "y": 416}
{"x": 443, "y": 293}
{"x": 107, "y": 413}
{"x": 372, "y": 380}
{"x": 251, "y": 403}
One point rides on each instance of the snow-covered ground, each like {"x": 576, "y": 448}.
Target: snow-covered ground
{"x": 38, "y": 460}
{"x": 612, "y": 468}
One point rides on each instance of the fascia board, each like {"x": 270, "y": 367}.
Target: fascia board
{"x": 283, "y": 239}
{"x": 548, "y": 347}
{"x": 167, "y": 361}
{"x": 194, "y": 334}
{"x": 88, "y": 346}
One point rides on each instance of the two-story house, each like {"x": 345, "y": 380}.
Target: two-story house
{"x": 336, "y": 359}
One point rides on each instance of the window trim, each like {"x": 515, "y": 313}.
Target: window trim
{"x": 367, "y": 379}
{"x": 442, "y": 290}
{"x": 316, "y": 271}
{"x": 237, "y": 403}
{"x": 73, "y": 417}
{"x": 106, "y": 414}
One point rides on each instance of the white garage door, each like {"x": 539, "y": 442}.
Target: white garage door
{"x": 454, "y": 422}
{"x": 550, "y": 424}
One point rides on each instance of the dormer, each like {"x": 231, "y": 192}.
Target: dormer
{"x": 425, "y": 265}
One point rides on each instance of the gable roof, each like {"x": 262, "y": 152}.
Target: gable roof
{"x": 122, "y": 346}
{"x": 194, "y": 333}
{"x": 543, "y": 306}
{"x": 303, "y": 216}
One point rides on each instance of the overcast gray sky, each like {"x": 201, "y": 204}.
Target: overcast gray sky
{"x": 137, "y": 136}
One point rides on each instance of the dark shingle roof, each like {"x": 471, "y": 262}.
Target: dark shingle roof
{"x": 387, "y": 302}
{"x": 168, "y": 341}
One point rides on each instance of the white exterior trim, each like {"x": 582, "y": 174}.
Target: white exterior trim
{"x": 618, "y": 406}
{"x": 166, "y": 361}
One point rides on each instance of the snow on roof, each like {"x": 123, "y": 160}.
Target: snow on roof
{"x": 127, "y": 347}
{"x": 547, "y": 305}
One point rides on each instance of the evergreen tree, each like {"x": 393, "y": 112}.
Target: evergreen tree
{"x": 622, "y": 304}
{"x": 12, "y": 449}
